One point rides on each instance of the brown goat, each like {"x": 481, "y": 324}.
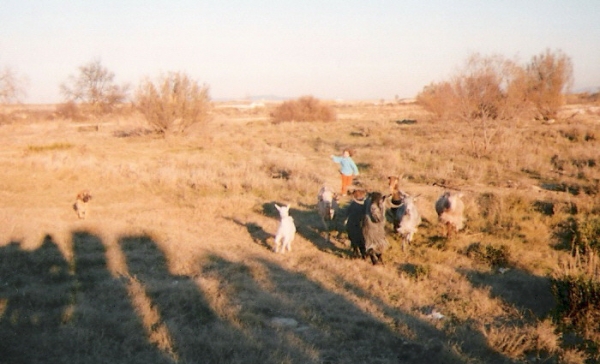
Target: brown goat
{"x": 81, "y": 202}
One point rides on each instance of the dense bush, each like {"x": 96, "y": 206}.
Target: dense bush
{"x": 306, "y": 108}
{"x": 173, "y": 103}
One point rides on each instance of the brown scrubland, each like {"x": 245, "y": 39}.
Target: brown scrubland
{"x": 173, "y": 262}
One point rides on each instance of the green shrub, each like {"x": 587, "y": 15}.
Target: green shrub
{"x": 306, "y": 108}
{"x": 173, "y": 103}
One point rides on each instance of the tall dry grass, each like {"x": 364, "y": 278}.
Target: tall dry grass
{"x": 174, "y": 262}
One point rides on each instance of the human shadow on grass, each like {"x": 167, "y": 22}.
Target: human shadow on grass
{"x": 66, "y": 312}
{"x": 200, "y": 332}
{"x": 288, "y": 310}
{"x": 307, "y": 222}
{"x": 58, "y": 311}
{"x": 529, "y": 293}
{"x": 428, "y": 344}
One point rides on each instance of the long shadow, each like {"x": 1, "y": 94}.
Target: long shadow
{"x": 200, "y": 334}
{"x": 308, "y": 225}
{"x": 32, "y": 313}
{"x": 108, "y": 327}
{"x": 529, "y": 293}
{"x": 56, "y": 312}
{"x": 334, "y": 328}
{"x": 430, "y": 346}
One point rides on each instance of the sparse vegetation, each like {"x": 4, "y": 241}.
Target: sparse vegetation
{"x": 306, "y": 108}
{"x": 94, "y": 88}
{"x": 173, "y": 103}
{"x": 12, "y": 86}
{"x": 174, "y": 262}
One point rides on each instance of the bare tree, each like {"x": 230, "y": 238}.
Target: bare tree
{"x": 480, "y": 93}
{"x": 12, "y": 87}
{"x": 173, "y": 103}
{"x": 94, "y": 86}
{"x": 549, "y": 76}
{"x": 481, "y": 89}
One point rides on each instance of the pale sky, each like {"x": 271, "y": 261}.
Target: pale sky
{"x": 330, "y": 49}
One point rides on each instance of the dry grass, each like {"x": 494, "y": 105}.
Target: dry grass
{"x": 174, "y": 261}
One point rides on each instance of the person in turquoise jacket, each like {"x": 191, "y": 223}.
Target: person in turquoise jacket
{"x": 348, "y": 169}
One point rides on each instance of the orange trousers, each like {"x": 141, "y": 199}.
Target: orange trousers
{"x": 346, "y": 182}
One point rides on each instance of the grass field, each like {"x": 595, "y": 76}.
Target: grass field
{"x": 174, "y": 261}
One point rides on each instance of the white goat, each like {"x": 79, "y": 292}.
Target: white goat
{"x": 450, "y": 210}
{"x": 326, "y": 205}
{"x": 407, "y": 220}
{"x": 286, "y": 231}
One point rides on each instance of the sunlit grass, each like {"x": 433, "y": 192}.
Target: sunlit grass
{"x": 181, "y": 228}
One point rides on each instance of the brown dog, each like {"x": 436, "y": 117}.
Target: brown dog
{"x": 80, "y": 205}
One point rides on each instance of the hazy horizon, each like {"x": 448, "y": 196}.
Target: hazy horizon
{"x": 331, "y": 50}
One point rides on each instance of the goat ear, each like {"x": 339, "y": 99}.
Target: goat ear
{"x": 278, "y": 207}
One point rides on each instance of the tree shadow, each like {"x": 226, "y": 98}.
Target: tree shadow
{"x": 529, "y": 293}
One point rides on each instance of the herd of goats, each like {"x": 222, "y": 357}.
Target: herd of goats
{"x": 365, "y": 218}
